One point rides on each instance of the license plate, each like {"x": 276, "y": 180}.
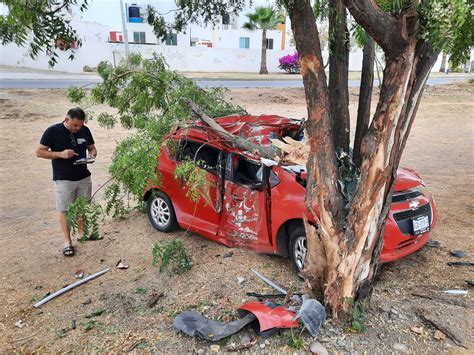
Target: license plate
{"x": 421, "y": 225}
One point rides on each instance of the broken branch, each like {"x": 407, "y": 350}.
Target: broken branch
{"x": 234, "y": 140}
{"x": 445, "y": 330}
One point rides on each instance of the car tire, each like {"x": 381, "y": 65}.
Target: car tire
{"x": 160, "y": 212}
{"x": 298, "y": 247}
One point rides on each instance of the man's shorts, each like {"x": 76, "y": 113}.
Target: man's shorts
{"x": 68, "y": 191}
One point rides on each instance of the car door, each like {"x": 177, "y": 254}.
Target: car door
{"x": 204, "y": 215}
{"x": 244, "y": 219}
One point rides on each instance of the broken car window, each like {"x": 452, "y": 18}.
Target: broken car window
{"x": 246, "y": 172}
{"x": 206, "y": 157}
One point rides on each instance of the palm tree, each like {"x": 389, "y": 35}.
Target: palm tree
{"x": 264, "y": 18}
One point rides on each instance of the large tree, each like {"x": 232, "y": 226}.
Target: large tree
{"x": 343, "y": 252}
{"x": 264, "y": 19}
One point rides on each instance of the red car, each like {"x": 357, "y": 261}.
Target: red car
{"x": 260, "y": 207}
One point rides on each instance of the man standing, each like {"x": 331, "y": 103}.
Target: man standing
{"x": 65, "y": 144}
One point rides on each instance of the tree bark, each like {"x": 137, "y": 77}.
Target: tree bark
{"x": 365, "y": 96}
{"x": 343, "y": 253}
{"x": 263, "y": 59}
{"x": 442, "y": 68}
{"x": 338, "y": 74}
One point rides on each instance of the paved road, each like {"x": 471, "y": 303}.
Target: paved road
{"x": 66, "y": 83}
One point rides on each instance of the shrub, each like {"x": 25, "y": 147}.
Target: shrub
{"x": 290, "y": 63}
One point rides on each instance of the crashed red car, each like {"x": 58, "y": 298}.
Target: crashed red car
{"x": 261, "y": 207}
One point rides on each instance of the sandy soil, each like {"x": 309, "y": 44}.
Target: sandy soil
{"x": 440, "y": 147}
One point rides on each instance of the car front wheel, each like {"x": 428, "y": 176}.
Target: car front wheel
{"x": 161, "y": 213}
{"x": 298, "y": 247}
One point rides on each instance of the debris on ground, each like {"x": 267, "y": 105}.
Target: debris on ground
{"x": 438, "y": 335}
{"x": 270, "y": 282}
{"x": 240, "y": 280}
{"x": 79, "y": 274}
{"x": 312, "y": 314}
{"x": 470, "y": 282}
{"x": 19, "y": 324}
{"x": 433, "y": 243}
{"x": 317, "y": 348}
{"x": 154, "y": 298}
{"x": 120, "y": 265}
{"x": 460, "y": 263}
{"x": 70, "y": 287}
{"x": 417, "y": 330}
{"x": 195, "y": 324}
{"x": 442, "y": 328}
{"x": 458, "y": 253}
{"x": 456, "y": 292}
{"x": 228, "y": 255}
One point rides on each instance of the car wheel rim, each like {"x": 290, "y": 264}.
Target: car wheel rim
{"x": 160, "y": 212}
{"x": 300, "y": 252}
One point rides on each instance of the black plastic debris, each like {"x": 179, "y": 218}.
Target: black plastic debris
{"x": 195, "y": 324}
{"x": 460, "y": 263}
{"x": 433, "y": 243}
{"x": 470, "y": 282}
{"x": 312, "y": 314}
{"x": 458, "y": 253}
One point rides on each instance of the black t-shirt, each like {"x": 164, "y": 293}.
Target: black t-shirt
{"x": 59, "y": 138}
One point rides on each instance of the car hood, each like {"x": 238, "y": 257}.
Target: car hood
{"x": 407, "y": 179}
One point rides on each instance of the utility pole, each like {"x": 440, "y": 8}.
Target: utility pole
{"x": 124, "y": 29}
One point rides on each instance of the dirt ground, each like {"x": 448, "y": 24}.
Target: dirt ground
{"x": 441, "y": 148}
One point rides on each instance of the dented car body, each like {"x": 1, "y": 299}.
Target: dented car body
{"x": 262, "y": 207}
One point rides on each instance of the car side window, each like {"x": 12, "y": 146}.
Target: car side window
{"x": 205, "y": 156}
{"x": 245, "y": 172}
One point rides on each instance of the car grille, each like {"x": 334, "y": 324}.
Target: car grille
{"x": 405, "y": 195}
{"x": 404, "y": 218}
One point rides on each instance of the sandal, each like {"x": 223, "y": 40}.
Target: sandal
{"x": 68, "y": 251}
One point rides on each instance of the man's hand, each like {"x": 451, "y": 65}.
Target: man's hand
{"x": 67, "y": 153}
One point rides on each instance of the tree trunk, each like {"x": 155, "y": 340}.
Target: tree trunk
{"x": 338, "y": 74}
{"x": 365, "y": 96}
{"x": 343, "y": 253}
{"x": 263, "y": 59}
{"x": 442, "y": 68}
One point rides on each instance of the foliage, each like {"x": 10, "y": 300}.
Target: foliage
{"x": 42, "y": 24}
{"x": 295, "y": 341}
{"x": 148, "y": 98}
{"x": 263, "y": 18}
{"x": 355, "y": 317}
{"x": 89, "y": 213}
{"x": 195, "y": 180}
{"x": 174, "y": 253}
{"x": 191, "y": 11}
{"x": 290, "y": 63}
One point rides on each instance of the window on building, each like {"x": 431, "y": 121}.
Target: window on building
{"x": 139, "y": 37}
{"x": 244, "y": 42}
{"x": 171, "y": 39}
{"x": 269, "y": 43}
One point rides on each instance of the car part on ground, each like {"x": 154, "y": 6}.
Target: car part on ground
{"x": 195, "y": 324}
{"x": 312, "y": 314}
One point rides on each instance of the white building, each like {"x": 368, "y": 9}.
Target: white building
{"x": 225, "y": 48}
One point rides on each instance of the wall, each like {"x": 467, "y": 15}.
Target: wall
{"x": 94, "y": 49}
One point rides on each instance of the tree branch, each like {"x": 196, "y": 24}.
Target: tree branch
{"x": 384, "y": 28}
{"x": 234, "y": 140}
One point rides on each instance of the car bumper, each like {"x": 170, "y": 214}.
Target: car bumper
{"x": 397, "y": 244}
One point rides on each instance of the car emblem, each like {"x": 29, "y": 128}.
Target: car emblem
{"x": 414, "y": 204}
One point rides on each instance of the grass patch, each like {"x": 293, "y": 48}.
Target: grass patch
{"x": 140, "y": 290}
{"x": 171, "y": 254}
